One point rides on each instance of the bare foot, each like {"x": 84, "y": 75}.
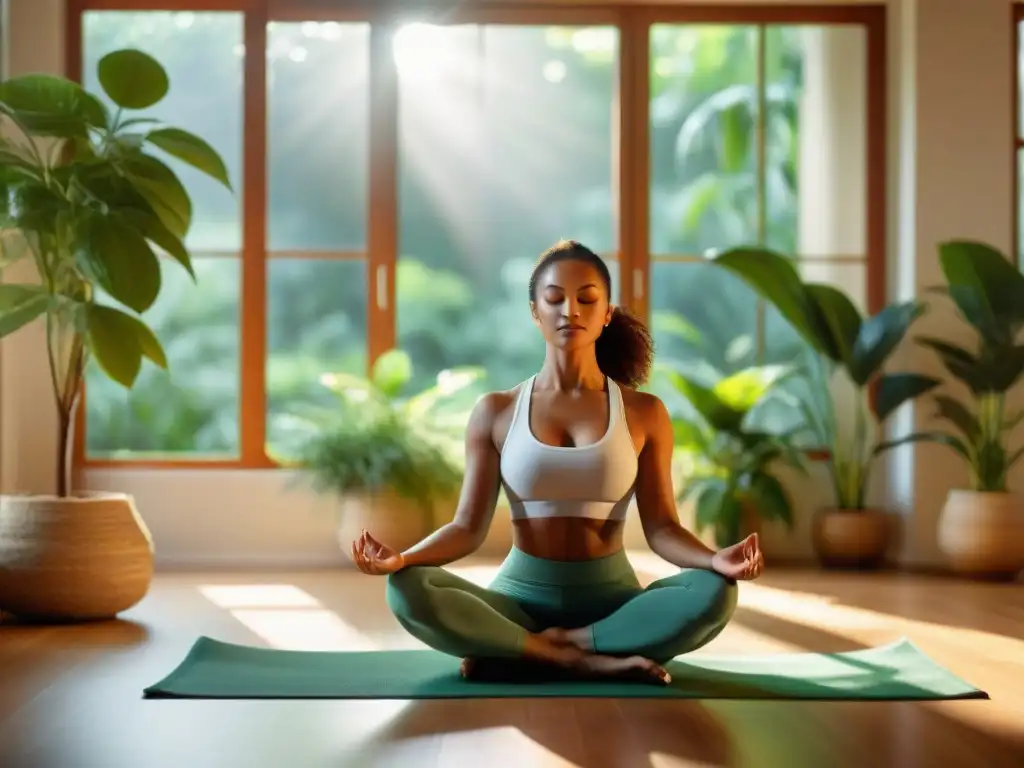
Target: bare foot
{"x": 570, "y": 657}
{"x": 630, "y": 667}
{"x": 467, "y": 667}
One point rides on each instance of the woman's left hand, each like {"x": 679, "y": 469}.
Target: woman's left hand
{"x": 743, "y": 560}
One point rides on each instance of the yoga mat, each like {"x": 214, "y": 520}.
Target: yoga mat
{"x": 218, "y": 670}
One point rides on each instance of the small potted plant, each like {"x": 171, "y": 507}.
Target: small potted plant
{"x": 391, "y": 460}
{"x": 981, "y": 528}
{"x": 854, "y": 349}
{"x": 87, "y": 202}
{"x": 730, "y": 476}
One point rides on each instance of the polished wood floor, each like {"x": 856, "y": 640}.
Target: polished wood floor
{"x": 70, "y": 696}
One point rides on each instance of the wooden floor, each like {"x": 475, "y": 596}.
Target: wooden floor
{"x": 71, "y": 696}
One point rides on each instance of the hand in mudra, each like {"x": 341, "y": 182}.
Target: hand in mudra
{"x": 374, "y": 558}
{"x": 743, "y": 560}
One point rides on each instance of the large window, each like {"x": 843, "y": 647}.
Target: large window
{"x": 397, "y": 179}
{"x": 504, "y": 147}
{"x": 191, "y": 410}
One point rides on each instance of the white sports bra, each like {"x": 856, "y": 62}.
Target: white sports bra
{"x": 595, "y": 481}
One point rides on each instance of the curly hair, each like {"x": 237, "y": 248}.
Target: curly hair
{"x": 625, "y": 349}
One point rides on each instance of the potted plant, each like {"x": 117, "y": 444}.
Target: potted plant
{"x": 83, "y": 198}
{"x": 844, "y": 344}
{"x": 730, "y": 474}
{"x": 390, "y": 460}
{"x": 981, "y": 527}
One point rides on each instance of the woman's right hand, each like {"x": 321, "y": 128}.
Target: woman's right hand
{"x": 374, "y": 558}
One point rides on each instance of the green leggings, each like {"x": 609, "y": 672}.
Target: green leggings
{"x": 672, "y": 616}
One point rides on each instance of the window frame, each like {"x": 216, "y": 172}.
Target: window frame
{"x": 1016, "y": 131}
{"x": 630, "y": 158}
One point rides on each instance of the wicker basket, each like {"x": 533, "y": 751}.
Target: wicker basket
{"x": 87, "y": 556}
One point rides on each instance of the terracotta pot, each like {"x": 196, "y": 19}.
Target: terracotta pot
{"x": 84, "y": 557}
{"x": 392, "y": 520}
{"x": 851, "y": 538}
{"x": 982, "y": 534}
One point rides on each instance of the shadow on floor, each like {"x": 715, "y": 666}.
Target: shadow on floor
{"x": 111, "y": 633}
{"x": 942, "y": 737}
{"x": 592, "y": 733}
{"x": 944, "y": 600}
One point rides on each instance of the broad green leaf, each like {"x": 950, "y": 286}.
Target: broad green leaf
{"x": 119, "y": 342}
{"x": 698, "y": 198}
{"x": 191, "y": 149}
{"x": 20, "y": 304}
{"x": 1003, "y": 367}
{"x": 956, "y": 413}
{"x": 118, "y": 258}
{"x": 771, "y": 498}
{"x": 841, "y": 316}
{"x": 33, "y": 206}
{"x": 736, "y": 134}
{"x": 958, "y": 361}
{"x": 14, "y": 155}
{"x": 776, "y": 279}
{"x": 717, "y": 414}
{"x": 894, "y": 389}
{"x": 688, "y": 436}
{"x": 668, "y": 321}
{"x": 150, "y": 227}
{"x": 711, "y": 498}
{"x": 744, "y": 389}
{"x": 878, "y": 338}
{"x": 940, "y": 438}
{"x": 164, "y": 192}
{"x": 47, "y": 105}
{"x": 392, "y": 371}
{"x": 979, "y": 266}
{"x": 132, "y": 79}
{"x": 694, "y": 485}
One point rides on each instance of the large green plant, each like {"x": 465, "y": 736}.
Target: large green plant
{"x": 988, "y": 292}
{"x": 83, "y": 197}
{"x": 732, "y": 463}
{"x": 379, "y": 441}
{"x": 843, "y": 343}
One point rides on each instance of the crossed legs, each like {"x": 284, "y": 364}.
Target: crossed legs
{"x": 672, "y": 616}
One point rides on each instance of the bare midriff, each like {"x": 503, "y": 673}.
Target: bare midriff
{"x": 567, "y": 538}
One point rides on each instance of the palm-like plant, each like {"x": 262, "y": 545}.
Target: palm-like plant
{"x": 988, "y": 292}
{"x": 843, "y": 341}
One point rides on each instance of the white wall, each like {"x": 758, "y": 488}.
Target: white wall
{"x": 950, "y": 169}
{"x": 28, "y": 422}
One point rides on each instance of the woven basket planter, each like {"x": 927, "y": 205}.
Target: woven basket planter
{"x": 85, "y": 557}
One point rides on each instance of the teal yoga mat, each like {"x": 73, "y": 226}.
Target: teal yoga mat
{"x": 218, "y": 670}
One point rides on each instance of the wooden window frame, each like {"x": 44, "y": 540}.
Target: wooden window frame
{"x": 630, "y": 155}
{"x": 1017, "y": 131}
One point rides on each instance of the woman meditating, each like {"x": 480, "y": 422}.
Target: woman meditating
{"x": 571, "y": 446}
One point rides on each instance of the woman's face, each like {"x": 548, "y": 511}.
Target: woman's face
{"x": 570, "y": 304}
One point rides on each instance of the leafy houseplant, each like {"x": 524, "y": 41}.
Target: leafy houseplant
{"x": 87, "y": 202}
{"x": 389, "y": 459}
{"x": 732, "y": 480}
{"x": 982, "y": 526}
{"x": 843, "y": 342}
